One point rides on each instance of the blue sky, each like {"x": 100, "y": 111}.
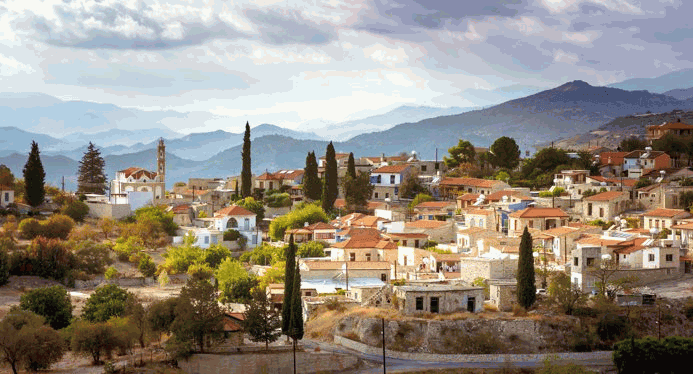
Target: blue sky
{"x": 295, "y": 62}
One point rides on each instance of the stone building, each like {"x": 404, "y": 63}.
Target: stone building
{"x": 502, "y": 267}
{"x": 503, "y": 294}
{"x": 606, "y": 205}
{"x": 439, "y": 298}
{"x": 536, "y": 218}
{"x": 141, "y": 180}
{"x": 663, "y": 218}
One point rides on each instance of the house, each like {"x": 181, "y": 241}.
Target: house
{"x": 341, "y": 158}
{"x": 570, "y": 177}
{"x": 445, "y": 262}
{"x": 141, "y": 180}
{"x": 359, "y": 220}
{"x": 439, "y": 298}
{"x": 275, "y": 293}
{"x": 275, "y": 181}
{"x": 319, "y": 231}
{"x": 467, "y": 200}
{"x": 483, "y": 218}
{"x": 637, "y": 163}
{"x": 605, "y": 205}
{"x": 435, "y": 210}
{"x": 468, "y": 239}
{"x": 535, "y": 218}
{"x": 387, "y": 179}
{"x": 450, "y": 188}
{"x": 204, "y": 237}
{"x": 610, "y": 164}
{"x": 183, "y": 215}
{"x": 559, "y": 241}
{"x": 337, "y": 270}
{"x": 233, "y": 329}
{"x": 488, "y": 267}
{"x": 438, "y": 231}
{"x": 6, "y": 196}
{"x": 503, "y": 294}
{"x": 383, "y": 160}
{"x": 362, "y": 245}
{"x": 240, "y": 219}
{"x": 415, "y": 240}
{"x": 663, "y": 218}
{"x": 678, "y": 128}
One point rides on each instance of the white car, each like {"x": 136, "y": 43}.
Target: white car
{"x": 541, "y": 291}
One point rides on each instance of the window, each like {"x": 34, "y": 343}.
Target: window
{"x": 262, "y": 184}
{"x": 352, "y": 256}
{"x": 589, "y": 209}
{"x": 419, "y": 303}
{"x": 368, "y": 256}
{"x": 651, "y": 257}
{"x": 530, "y": 224}
{"x": 469, "y": 190}
{"x": 590, "y": 261}
{"x": 308, "y": 293}
{"x": 437, "y": 165}
{"x": 383, "y": 277}
{"x": 651, "y": 222}
{"x": 206, "y": 239}
{"x": 380, "y": 178}
{"x": 669, "y": 258}
{"x": 601, "y": 212}
{"x": 387, "y": 194}
{"x": 416, "y": 243}
{"x": 657, "y": 223}
{"x": 423, "y": 167}
{"x": 576, "y": 261}
{"x": 375, "y": 195}
{"x": 404, "y": 243}
{"x": 7, "y": 196}
{"x": 392, "y": 179}
{"x": 254, "y": 241}
{"x": 434, "y": 305}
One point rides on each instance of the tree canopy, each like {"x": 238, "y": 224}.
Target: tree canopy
{"x": 198, "y": 314}
{"x": 463, "y": 152}
{"x": 526, "y": 286}
{"x": 106, "y": 302}
{"x": 254, "y": 206}
{"x": 312, "y": 186}
{"x": 6, "y": 176}
{"x": 357, "y": 191}
{"x": 26, "y": 342}
{"x": 261, "y": 319}
{"x": 504, "y": 153}
{"x": 246, "y": 173}
{"x": 34, "y": 177}
{"x": 310, "y": 213}
{"x": 52, "y": 303}
{"x": 330, "y": 187}
{"x": 91, "y": 177}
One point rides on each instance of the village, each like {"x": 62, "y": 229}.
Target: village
{"x": 429, "y": 239}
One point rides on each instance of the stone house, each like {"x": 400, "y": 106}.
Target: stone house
{"x": 311, "y": 270}
{"x": 482, "y": 218}
{"x": 610, "y": 164}
{"x": 233, "y": 330}
{"x": 439, "y": 231}
{"x": 502, "y": 267}
{"x": 445, "y": 262}
{"x": 274, "y": 181}
{"x": 240, "y": 219}
{"x": 663, "y": 218}
{"x": 363, "y": 245}
{"x": 679, "y": 128}
{"x": 637, "y": 163}
{"x": 467, "y": 200}
{"x": 503, "y": 294}
{"x": 439, "y": 298}
{"x": 440, "y": 210}
{"x": 559, "y": 241}
{"x": 535, "y": 218}
{"x": 387, "y": 179}
{"x": 204, "y": 236}
{"x": 606, "y": 205}
{"x": 450, "y": 188}
{"x": 408, "y": 239}
{"x": 472, "y": 239}
{"x": 319, "y": 231}
{"x": 358, "y": 220}
{"x": 362, "y": 294}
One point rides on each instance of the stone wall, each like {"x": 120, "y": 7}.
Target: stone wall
{"x": 646, "y": 276}
{"x": 121, "y": 282}
{"x": 472, "y": 268}
{"x": 275, "y": 362}
{"x": 116, "y": 211}
{"x": 271, "y": 212}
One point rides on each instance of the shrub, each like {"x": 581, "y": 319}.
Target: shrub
{"x": 30, "y": 228}
{"x": 84, "y": 232}
{"x": 93, "y": 339}
{"x": 519, "y": 311}
{"x": 309, "y": 213}
{"x": 146, "y": 266}
{"x": 124, "y": 248}
{"x": 76, "y": 210}
{"x": 650, "y": 356}
{"x": 92, "y": 257}
{"x": 52, "y": 303}
{"x": 58, "y": 226}
{"x": 611, "y": 327}
{"x": 111, "y": 273}
{"x": 4, "y": 267}
{"x": 106, "y": 302}
{"x": 50, "y": 258}
{"x": 231, "y": 235}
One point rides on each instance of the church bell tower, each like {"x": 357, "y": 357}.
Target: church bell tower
{"x": 161, "y": 161}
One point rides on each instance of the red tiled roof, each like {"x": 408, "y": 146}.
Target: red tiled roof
{"x": 652, "y": 154}
{"x": 498, "y": 195}
{"x": 396, "y": 235}
{"x": 138, "y": 172}
{"x": 560, "y": 231}
{"x": 391, "y": 169}
{"x": 667, "y": 213}
{"x": 353, "y": 265}
{"x": 436, "y": 204}
{"x": 538, "y": 213}
{"x": 631, "y": 246}
{"x": 425, "y": 224}
{"x": 468, "y": 196}
{"x": 486, "y": 183}
{"x": 479, "y": 212}
{"x": 320, "y": 226}
{"x": 233, "y": 210}
{"x": 616, "y": 158}
{"x": 606, "y": 196}
{"x": 671, "y": 126}
{"x": 181, "y": 209}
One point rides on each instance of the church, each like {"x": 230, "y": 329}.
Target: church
{"x": 142, "y": 180}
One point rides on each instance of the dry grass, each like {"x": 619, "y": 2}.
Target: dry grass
{"x": 322, "y": 325}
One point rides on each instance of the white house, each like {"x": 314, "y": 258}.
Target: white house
{"x": 204, "y": 237}
{"x": 387, "y": 179}
{"x": 240, "y": 219}
{"x": 6, "y": 196}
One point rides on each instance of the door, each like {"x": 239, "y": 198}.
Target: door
{"x": 434, "y": 305}
{"x": 471, "y": 304}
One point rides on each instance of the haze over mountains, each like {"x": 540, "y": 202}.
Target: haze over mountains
{"x": 127, "y": 137}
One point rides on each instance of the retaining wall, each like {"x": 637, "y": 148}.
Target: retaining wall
{"x": 274, "y": 362}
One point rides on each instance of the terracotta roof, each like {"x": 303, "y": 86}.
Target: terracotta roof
{"x": 472, "y": 230}
{"x": 436, "y": 204}
{"x": 239, "y": 316}
{"x": 671, "y": 126}
{"x": 685, "y": 258}
{"x": 407, "y": 235}
{"x": 560, "y": 231}
{"x": 656, "y": 172}
{"x": 652, "y": 154}
{"x": 336, "y": 156}
{"x": 354, "y": 265}
{"x": 425, "y": 224}
{"x": 360, "y": 232}
{"x": 340, "y": 203}
{"x": 184, "y": 208}
{"x": 138, "y": 172}
{"x": 479, "y": 212}
{"x": 377, "y": 159}
{"x": 275, "y": 286}
{"x": 616, "y": 158}
{"x": 667, "y": 213}
{"x": 230, "y": 325}
{"x": 538, "y": 213}
{"x": 498, "y": 195}
{"x": 356, "y": 242}
{"x": 597, "y": 240}
{"x": 631, "y": 246}
{"x": 373, "y": 205}
{"x": 468, "y": 197}
{"x": 195, "y": 192}
{"x": 486, "y": 183}
{"x": 281, "y": 175}
{"x": 320, "y": 226}
{"x": 446, "y": 257}
{"x": 606, "y": 196}
{"x": 683, "y": 226}
{"x": 650, "y": 187}
{"x": 390, "y": 169}
{"x": 233, "y": 210}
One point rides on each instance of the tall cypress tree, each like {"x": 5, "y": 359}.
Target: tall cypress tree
{"x": 91, "y": 177}
{"x": 351, "y": 166}
{"x": 296, "y": 323}
{"x": 312, "y": 187}
{"x": 34, "y": 177}
{"x": 288, "y": 285}
{"x": 330, "y": 189}
{"x": 526, "y": 287}
{"x": 246, "y": 178}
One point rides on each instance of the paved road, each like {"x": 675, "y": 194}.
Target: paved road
{"x": 401, "y": 365}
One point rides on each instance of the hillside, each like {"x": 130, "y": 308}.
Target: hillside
{"x": 675, "y": 80}
{"x": 680, "y": 93}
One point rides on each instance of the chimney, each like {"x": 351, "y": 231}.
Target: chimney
{"x": 382, "y": 157}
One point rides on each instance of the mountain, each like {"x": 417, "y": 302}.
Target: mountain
{"x": 675, "y": 80}
{"x": 570, "y": 109}
{"x": 15, "y": 140}
{"x": 118, "y": 137}
{"x": 346, "y": 130}
{"x": 56, "y": 167}
{"x": 681, "y": 93}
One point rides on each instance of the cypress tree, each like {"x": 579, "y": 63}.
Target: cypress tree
{"x": 526, "y": 287}
{"x": 246, "y": 178}
{"x": 91, "y": 177}
{"x": 34, "y": 177}
{"x": 296, "y": 323}
{"x": 351, "y": 166}
{"x": 288, "y": 285}
{"x": 312, "y": 187}
{"x": 330, "y": 189}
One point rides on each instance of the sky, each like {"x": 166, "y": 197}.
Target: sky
{"x": 297, "y": 63}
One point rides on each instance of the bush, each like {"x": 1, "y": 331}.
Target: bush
{"x": 4, "y": 267}
{"x": 58, "y": 226}
{"x": 84, "y": 232}
{"x": 278, "y": 200}
{"x": 50, "y": 258}
{"x": 650, "y": 356}
{"x": 611, "y": 327}
{"x": 29, "y": 228}
{"x": 92, "y": 257}
{"x": 93, "y": 339}
{"x": 125, "y": 248}
{"x": 231, "y": 235}
{"x": 311, "y": 249}
{"x": 106, "y": 302}
{"x": 310, "y": 213}
{"x": 52, "y": 303}
{"x": 146, "y": 266}
{"x": 76, "y": 210}
{"x": 111, "y": 273}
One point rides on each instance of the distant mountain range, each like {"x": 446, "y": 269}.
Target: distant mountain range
{"x": 680, "y": 93}
{"x": 675, "y": 80}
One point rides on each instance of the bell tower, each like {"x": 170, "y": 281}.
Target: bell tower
{"x": 161, "y": 161}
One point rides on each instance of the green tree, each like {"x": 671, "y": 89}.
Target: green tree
{"x": 289, "y": 269}
{"x": 632, "y": 144}
{"x": 234, "y": 281}
{"x": 91, "y": 177}
{"x": 146, "y": 266}
{"x": 94, "y": 340}
{"x": 502, "y": 176}
{"x": 161, "y": 314}
{"x": 310, "y": 213}
{"x": 261, "y": 319}
{"x": 420, "y": 198}
{"x": 76, "y": 210}
{"x": 686, "y": 200}
{"x": 52, "y": 303}
{"x": 296, "y": 323}
{"x": 4, "y": 265}
{"x": 246, "y": 176}
{"x": 505, "y": 153}
{"x": 312, "y": 186}
{"x": 565, "y": 294}
{"x": 526, "y": 286}
{"x": 330, "y": 188}
{"x": 357, "y": 191}
{"x": 411, "y": 186}
{"x": 26, "y": 342}
{"x": 198, "y": 314}
{"x": 351, "y": 165}
{"x": 106, "y": 302}
{"x": 138, "y": 318}
{"x": 34, "y": 177}
{"x": 311, "y": 249}
{"x": 6, "y": 176}
{"x": 254, "y": 206}
{"x": 462, "y": 153}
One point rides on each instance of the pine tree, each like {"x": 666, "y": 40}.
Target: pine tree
{"x": 526, "y": 287}
{"x": 351, "y": 166}
{"x": 34, "y": 177}
{"x": 91, "y": 177}
{"x": 261, "y": 319}
{"x": 296, "y": 323}
{"x": 246, "y": 179}
{"x": 312, "y": 187}
{"x": 288, "y": 284}
{"x": 330, "y": 189}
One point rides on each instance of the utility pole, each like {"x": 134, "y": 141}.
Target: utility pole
{"x": 384, "y": 366}
{"x": 63, "y": 184}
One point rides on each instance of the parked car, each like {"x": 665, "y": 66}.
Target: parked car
{"x": 541, "y": 291}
